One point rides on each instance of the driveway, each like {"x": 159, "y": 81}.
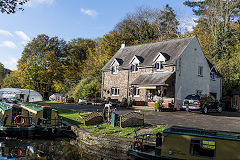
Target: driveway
{"x": 227, "y": 121}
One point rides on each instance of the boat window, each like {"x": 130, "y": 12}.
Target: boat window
{"x": 202, "y": 148}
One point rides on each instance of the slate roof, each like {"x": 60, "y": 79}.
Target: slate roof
{"x": 172, "y": 48}
{"x": 148, "y": 79}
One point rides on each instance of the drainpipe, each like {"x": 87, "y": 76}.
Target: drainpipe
{"x": 102, "y": 84}
{"x": 127, "y": 84}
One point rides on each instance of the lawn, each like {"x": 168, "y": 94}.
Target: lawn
{"x": 72, "y": 116}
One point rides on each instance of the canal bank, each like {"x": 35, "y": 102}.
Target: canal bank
{"x": 101, "y": 145}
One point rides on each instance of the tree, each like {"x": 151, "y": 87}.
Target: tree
{"x": 100, "y": 55}
{"x": 167, "y": 23}
{"x": 13, "y": 80}
{"x": 2, "y": 71}
{"x": 76, "y": 55}
{"x": 147, "y": 25}
{"x": 88, "y": 88}
{"x": 42, "y": 63}
{"x": 10, "y": 6}
{"x": 220, "y": 22}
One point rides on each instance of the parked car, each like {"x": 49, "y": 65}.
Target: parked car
{"x": 204, "y": 104}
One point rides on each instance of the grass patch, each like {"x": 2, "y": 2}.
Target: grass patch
{"x": 157, "y": 129}
{"x": 105, "y": 128}
{"x": 50, "y": 102}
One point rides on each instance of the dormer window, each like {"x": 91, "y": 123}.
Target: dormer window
{"x": 114, "y": 69}
{"x": 115, "y": 65}
{"x": 213, "y": 76}
{"x": 136, "y": 60}
{"x": 134, "y": 67}
{"x": 159, "y": 66}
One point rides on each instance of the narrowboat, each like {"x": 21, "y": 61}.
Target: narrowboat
{"x": 44, "y": 118}
{"x": 179, "y": 142}
{"x": 14, "y": 120}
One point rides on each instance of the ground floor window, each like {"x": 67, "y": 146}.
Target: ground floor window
{"x": 115, "y": 91}
{"x": 136, "y": 92}
{"x": 202, "y": 148}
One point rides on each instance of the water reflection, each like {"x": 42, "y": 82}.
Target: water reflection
{"x": 58, "y": 149}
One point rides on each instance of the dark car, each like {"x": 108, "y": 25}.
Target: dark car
{"x": 205, "y": 105}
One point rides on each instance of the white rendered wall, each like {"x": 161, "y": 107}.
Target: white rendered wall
{"x": 187, "y": 79}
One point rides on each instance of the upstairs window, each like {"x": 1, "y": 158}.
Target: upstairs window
{"x": 134, "y": 68}
{"x": 114, "y": 69}
{"x": 200, "y": 71}
{"x": 213, "y": 76}
{"x": 115, "y": 91}
{"x": 159, "y": 66}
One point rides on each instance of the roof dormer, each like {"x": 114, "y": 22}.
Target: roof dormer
{"x": 136, "y": 60}
{"x": 160, "y": 58}
{"x": 117, "y": 62}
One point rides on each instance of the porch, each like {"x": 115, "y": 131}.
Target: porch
{"x": 148, "y": 88}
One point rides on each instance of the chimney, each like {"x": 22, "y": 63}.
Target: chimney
{"x": 123, "y": 45}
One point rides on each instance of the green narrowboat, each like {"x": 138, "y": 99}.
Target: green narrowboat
{"x": 44, "y": 118}
{"x": 14, "y": 118}
{"x": 179, "y": 142}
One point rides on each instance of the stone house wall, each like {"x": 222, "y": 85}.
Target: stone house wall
{"x": 120, "y": 80}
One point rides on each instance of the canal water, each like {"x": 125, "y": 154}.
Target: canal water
{"x": 57, "y": 149}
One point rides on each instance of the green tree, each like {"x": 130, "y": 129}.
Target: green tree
{"x": 88, "y": 89}
{"x": 147, "y": 25}
{"x": 41, "y": 62}
{"x": 11, "y": 6}
{"x": 13, "y": 80}
{"x": 2, "y": 71}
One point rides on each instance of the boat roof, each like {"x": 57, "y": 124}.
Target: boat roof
{"x": 4, "y": 107}
{"x": 203, "y": 132}
{"x": 32, "y": 107}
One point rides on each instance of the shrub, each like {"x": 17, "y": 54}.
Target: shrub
{"x": 158, "y": 105}
{"x": 88, "y": 89}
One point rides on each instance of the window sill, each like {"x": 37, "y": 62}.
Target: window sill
{"x": 114, "y": 73}
{"x": 200, "y": 75}
{"x": 114, "y": 95}
{"x": 136, "y": 96}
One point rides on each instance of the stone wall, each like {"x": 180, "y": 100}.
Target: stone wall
{"x": 106, "y": 146}
{"x": 120, "y": 80}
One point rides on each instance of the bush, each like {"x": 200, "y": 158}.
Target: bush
{"x": 158, "y": 105}
{"x": 88, "y": 89}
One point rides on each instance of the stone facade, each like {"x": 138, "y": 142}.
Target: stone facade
{"x": 123, "y": 80}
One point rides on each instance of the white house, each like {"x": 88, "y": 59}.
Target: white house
{"x": 174, "y": 69}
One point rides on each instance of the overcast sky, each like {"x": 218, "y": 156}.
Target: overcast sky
{"x": 70, "y": 19}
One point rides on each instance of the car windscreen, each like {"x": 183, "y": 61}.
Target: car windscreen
{"x": 193, "y": 97}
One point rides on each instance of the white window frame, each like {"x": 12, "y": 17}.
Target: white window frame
{"x": 115, "y": 91}
{"x": 134, "y": 68}
{"x": 159, "y": 68}
{"x": 200, "y": 71}
{"x": 114, "y": 69}
{"x": 136, "y": 92}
